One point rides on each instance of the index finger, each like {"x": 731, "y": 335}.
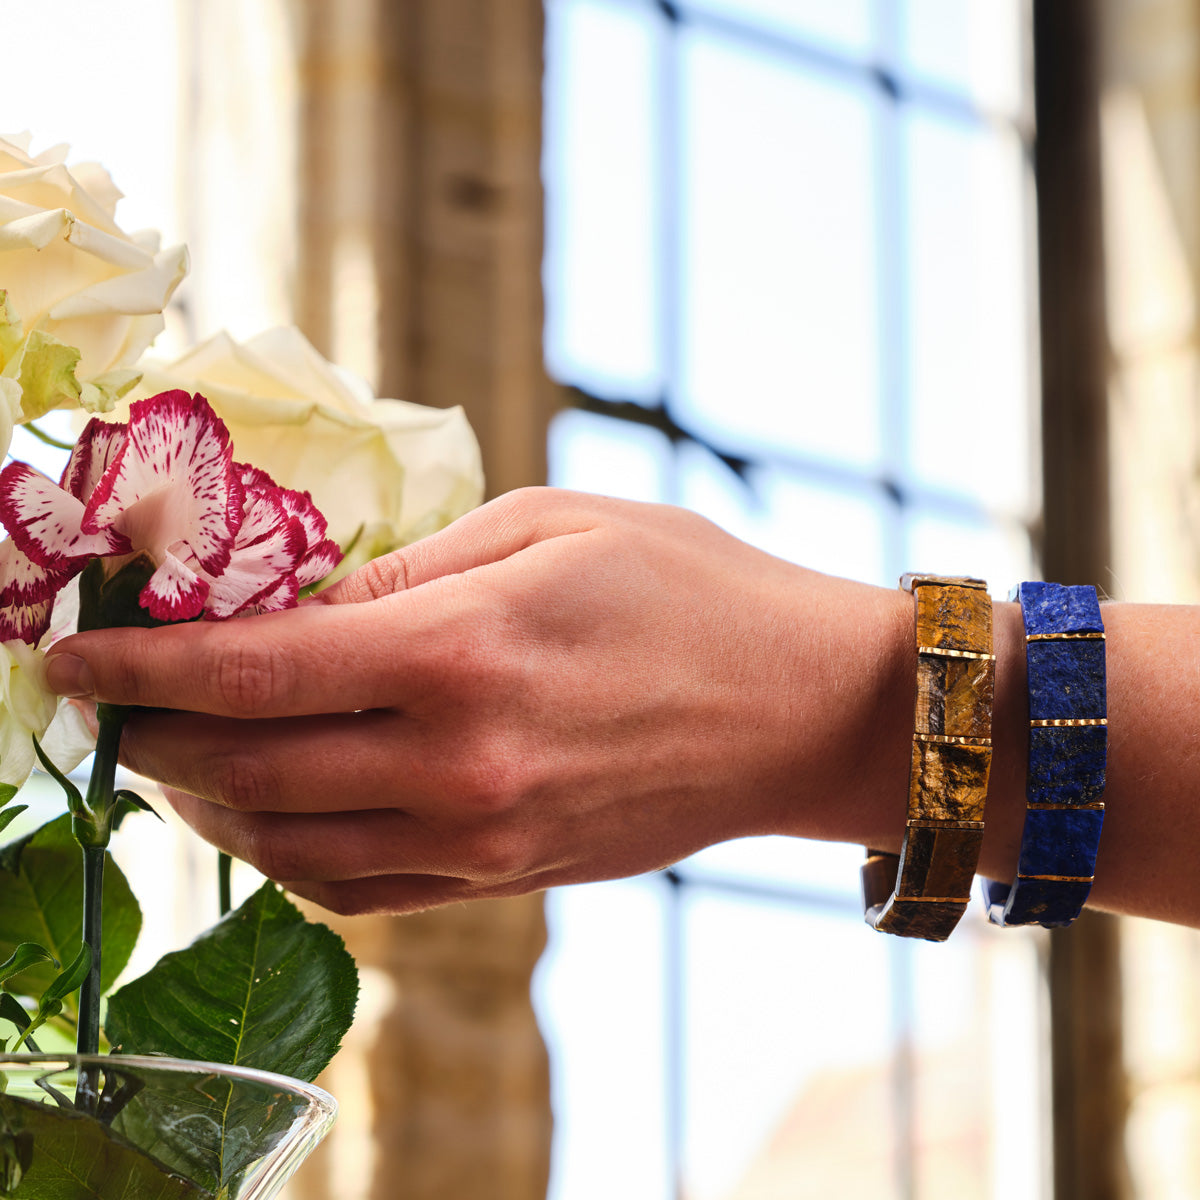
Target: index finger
{"x": 306, "y": 661}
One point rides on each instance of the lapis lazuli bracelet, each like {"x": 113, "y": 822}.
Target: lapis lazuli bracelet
{"x": 1068, "y": 747}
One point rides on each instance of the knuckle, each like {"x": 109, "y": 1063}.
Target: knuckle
{"x": 487, "y": 784}
{"x": 271, "y": 851}
{"x": 248, "y": 675}
{"x": 375, "y": 579}
{"x": 497, "y": 855}
{"x": 246, "y": 781}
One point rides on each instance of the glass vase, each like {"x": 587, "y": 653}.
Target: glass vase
{"x": 116, "y": 1126}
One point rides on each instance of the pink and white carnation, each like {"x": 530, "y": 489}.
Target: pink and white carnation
{"x": 217, "y": 538}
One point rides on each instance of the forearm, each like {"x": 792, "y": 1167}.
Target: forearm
{"x": 1152, "y": 798}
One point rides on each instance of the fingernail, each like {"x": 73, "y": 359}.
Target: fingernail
{"x": 69, "y": 675}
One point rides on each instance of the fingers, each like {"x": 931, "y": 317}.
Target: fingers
{"x": 489, "y": 534}
{"x": 336, "y": 763}
{"x": 326, "y": 847}
{"x": 399, "y": 895}
{"x": 308, "y": 660}
{"x": 359, "y": 646}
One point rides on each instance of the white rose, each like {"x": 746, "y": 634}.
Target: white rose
{"x": 80, "y": 300}
{"x": 386, "y": 471}
{"x": 28, "y": 709}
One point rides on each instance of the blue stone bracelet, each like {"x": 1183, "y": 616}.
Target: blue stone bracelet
{"x": 1068, "y": 745}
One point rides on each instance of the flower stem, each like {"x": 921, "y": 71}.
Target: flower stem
{"x": 88, "y": 1036}
{"x": 92, "y": 827}
{"x": 224, "y": 882}
{"x": 43, "y": 436}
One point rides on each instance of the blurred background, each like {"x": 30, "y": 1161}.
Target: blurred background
{"x": 877, "y": 285}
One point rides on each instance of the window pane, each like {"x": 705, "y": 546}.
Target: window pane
{"x": 968, "y": 320}
{"x": 942, "y": 545}
{"x": 601, "y": 288}
{"x": 844, "y": 25}
{"x": 600, "y": 1002}
{"x": 972, "y": 46}
{"x": 590, "y": 453}
{"x": 976, "y": 1010}
{"x": 828, "y": 528}
{"x": 827, "y": 868}
{"x": 778, "y": 296}
{"x": 786, "y": 1064}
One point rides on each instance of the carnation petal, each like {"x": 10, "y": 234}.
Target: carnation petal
{"x": 284, "y": 595}
{"x": 318, "y": 563}
{"x": 27, "y": 622}
{"x": 257, "y": 569}
{"x": 173, "y": 481}
{"x": 174, "y": 592}
{"x": 91, "y": 456}
{"x": 47, "y": 523}
{"x": 23, "y": 581}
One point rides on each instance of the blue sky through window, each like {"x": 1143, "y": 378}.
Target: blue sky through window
{"x": 802, "y": 227}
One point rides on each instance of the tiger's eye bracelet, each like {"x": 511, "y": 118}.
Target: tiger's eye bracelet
{"x": 923, "y": 891}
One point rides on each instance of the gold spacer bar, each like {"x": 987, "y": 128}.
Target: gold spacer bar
{"x": 1095, "y": 806}
{"x": 911, "y": 580}
{"x": 931, "y": 899}
{"x": 944, "y": 653}
{"x": 1061, "y": 878}
{"x": 1068, "y": 722}
{"x": 941, "y": 823}
{"x": 1064, "y": 637}
{"x": 951, "y": 739}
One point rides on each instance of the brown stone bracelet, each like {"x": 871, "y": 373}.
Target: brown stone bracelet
{"x": 923, "y": 891}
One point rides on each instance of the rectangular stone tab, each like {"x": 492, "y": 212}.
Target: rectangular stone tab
{"x": 954, "y": 695}
{"x": 912, "y": 918}
{"x": 1047, "y": 902}
{"x": 948, "y": 782}
{"x": 1060, "y": 841}
{"x": 939, "y": 863}
{"x": 954, "y": 618}
{"x": 1066, "y": 764}
{"x": 1066, "y": 680}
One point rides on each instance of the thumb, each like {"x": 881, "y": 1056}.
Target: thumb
{"x": 496, "y": 531}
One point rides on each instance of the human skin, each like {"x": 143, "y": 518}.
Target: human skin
{"x": 561, "y": 688}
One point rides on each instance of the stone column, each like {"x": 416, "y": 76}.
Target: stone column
{"x": 419, "y": 265}
{"x": 1150, "y": 125}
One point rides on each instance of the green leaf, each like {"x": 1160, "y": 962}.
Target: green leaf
{"x": 129, "y": 802}
{"x": 7, "y": 792}
{"x": 52, "y": 1153}
{"x": 26, "y": 955}
{"x": 262, "y": 988}
{"x": 10, "y": 814}
{"x": 41, "y": 900}
{"x": 70, "y": 977}
{"x": 11, "y": 1010}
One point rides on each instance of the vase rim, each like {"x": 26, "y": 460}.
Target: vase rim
{"x": 316, "y": 1096}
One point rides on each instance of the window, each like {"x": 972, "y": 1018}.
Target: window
{"x": 788, "y": 280}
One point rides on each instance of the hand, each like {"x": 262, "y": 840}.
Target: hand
{"x": 556, "y": 688}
